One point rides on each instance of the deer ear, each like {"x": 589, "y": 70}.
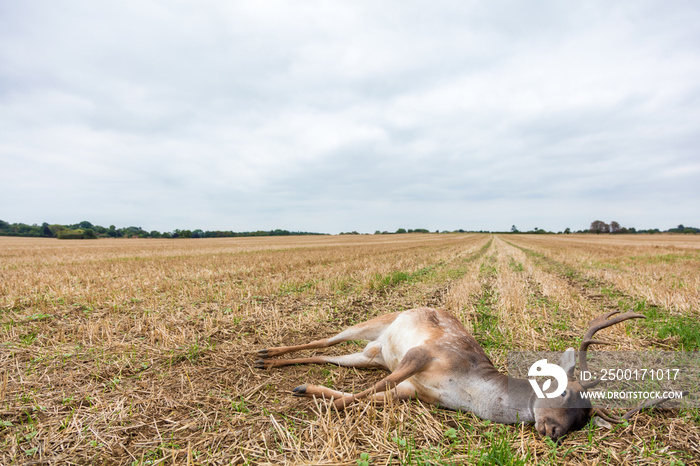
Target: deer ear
{"x": 568, "y": 361}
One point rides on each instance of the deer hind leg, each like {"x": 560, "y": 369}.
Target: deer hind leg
{"x": 370, "y": 357}
{"x": 369, "y": 330}
{"x": 416, "y": 360}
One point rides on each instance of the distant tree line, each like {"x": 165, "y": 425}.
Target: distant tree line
{"x": 86, "y": 230}
{"x": 401, "y": 231}
{"x": 598, "y": 227}
{"x": 614, "y": 228}
{"x": 404, "y": 231}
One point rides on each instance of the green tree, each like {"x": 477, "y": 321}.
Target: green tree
{"x": 89, "y": 233}
{"x": 599, "y": 227}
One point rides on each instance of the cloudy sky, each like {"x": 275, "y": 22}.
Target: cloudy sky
{"x": 334, "y": 116}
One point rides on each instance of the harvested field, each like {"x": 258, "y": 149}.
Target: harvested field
{"x": 141, "y": 351}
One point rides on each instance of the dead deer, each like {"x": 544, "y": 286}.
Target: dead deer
{"x": 432, "y": 357}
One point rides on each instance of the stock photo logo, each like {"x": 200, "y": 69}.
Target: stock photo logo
{"x": 541, "y": 369}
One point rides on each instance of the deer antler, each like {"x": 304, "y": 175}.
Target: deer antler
{"x": 596, "y": 324}
{"x": 600, "y": 323}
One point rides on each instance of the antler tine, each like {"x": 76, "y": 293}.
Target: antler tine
{"x": 602, "y": 413}
{"x": 605, "y": 321}
{"x": 599, "y": 323}
{"x": 647, "y": 404}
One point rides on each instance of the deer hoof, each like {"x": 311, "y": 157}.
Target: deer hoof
{"x": 263, "y": 353}
{"x": 261, "y": 364}
{"x": 299, "y": 391}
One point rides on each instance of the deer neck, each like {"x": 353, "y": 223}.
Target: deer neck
{"x": 492, "y": 395}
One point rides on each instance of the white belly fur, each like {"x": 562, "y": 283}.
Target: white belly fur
{"x": 406, "y": 332}
{"x": 402, "y": 335}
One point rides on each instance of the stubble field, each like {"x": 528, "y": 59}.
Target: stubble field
{"x": 142, "y": 351}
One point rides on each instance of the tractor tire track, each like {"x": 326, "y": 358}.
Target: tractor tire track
{"x": 661, "y": 329}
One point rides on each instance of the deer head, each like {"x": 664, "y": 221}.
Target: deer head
{"x": 555, "y": 417}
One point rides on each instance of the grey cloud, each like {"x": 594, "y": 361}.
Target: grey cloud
{"x": 315, "y": 115}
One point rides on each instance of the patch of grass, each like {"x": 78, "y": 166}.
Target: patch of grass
{"x": 486, "y": 329}
{"x": 28, "y": 338}
{"x": 190, "y": 353}
{"x": 363, "y": 460}
{"x": 156, "y": 455}
{"x": 499, "y": 452}
{"x": 486, "y": 324}
{"x": 410, "y": 454}
{"x": 692, "y": 415}
{"x": 292, "y": 288}
{"x": 663, "y": 258}
{"x": 515, "y": 266}
{"x": 397, "y": 277}
{"x": 240, "y": 406}
{"x": 393, "y": 279}
{"x": 561, "y": 324}
{"x": 38, "y": 316}
{"x": 495, "y": 447}
{"x": 685, "y": 329}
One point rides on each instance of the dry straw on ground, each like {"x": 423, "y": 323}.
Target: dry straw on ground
{"x": 140, "y": 351}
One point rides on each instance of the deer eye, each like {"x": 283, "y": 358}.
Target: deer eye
{"x": 563, "y": 394}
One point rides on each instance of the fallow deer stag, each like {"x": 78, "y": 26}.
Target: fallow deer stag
{"x": 432, "y": 357}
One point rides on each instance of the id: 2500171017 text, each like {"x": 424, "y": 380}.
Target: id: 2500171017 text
{"x": 632, "y": 374}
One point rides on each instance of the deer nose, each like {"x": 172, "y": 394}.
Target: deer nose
{"x": 541, "y": 428}
{"x": 548, "y": 429}
{"x": 553, "y": 433}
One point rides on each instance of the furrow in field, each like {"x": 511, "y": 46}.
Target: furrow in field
{"x": 567, "y": 307}
{"x": 461, "y": 293}
{"x": 662, "y": 270}
{"x": 475, "y": 300}
{"x": 537, "y": 308}
{"x": 661, "y": 328}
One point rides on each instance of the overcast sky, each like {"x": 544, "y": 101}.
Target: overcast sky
{"x": 334, "y": 116}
